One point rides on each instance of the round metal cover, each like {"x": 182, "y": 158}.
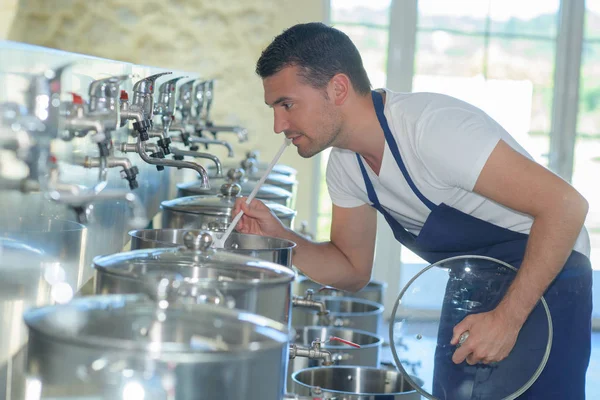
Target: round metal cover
{"x": 201, "y": 266}
{"x": 420, "y": 340}
{"x": 266, "y": 191}
{"x": 131, "y": 323}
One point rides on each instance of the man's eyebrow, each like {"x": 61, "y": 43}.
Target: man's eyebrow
{"x": 278, "y": 101}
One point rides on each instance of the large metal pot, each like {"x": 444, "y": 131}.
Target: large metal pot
{"x": 344, "y": 312}
{"x": 268, "y": 192}
{"x": 353, "y": 383}
{"x": 126, "y": 347}
{"x": 212, "y": 212}
{"x": 266, "y": 248}
{"x": 374, "y": 291}
{"x": 367, "y": 355}
{"x": 201, "y": 274}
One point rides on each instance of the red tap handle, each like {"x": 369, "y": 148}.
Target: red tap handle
{"x": 77, "y": 99}
{"x": 349, "y": 343}
{"x": 124, "y": 95}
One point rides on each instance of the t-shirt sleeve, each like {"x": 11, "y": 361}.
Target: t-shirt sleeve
{"x": 338, "y": 183}
{"x": 454, "y": 144}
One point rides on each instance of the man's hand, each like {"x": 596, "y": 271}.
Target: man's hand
{"x": 257, "y": 219}
{"x": 492, "y": 335}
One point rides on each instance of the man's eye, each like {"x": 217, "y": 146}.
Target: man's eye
{"x": 287, "y": 106}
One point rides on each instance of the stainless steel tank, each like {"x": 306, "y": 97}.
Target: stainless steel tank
{"x": 367, "y": 355}
{"x": 200, "y": 274}
{"x": 374, "y": 291}
{"x": 126, "y": 347}
{"x": 343, "y": 312}
{"x": 268, "y": 192}
{"x": 353, "y": 383}
{"x": 212, "y": 212}
{"x": 266, "y": 248}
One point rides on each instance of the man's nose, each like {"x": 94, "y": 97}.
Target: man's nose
{"x": 281, "y": 123}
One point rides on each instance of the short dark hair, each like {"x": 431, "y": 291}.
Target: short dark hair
{"x": 320, "y": 51}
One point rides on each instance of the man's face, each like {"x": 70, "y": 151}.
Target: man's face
{"x": 302, "y": 112}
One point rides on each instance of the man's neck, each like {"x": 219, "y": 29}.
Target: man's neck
{"x": 364, "y": 134}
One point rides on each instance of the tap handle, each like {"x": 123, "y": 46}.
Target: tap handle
{"x": 107, "y": 87}
{"x": 77, "y": 99}
{"x": 170, "y": 85}
{"x": 337, "y": 339}
{"x": 146, "y": 85}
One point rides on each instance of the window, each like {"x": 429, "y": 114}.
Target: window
{"x": 367, "y": 25}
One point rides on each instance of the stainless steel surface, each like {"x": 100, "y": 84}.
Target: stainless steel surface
{"x": 211, "y": 212}
{"x": 343, "y": 312}
{"x": 367, "y": 355}
{"x": 353, "y": 383}
{"x": 104, "y": 346}
{"x": 243, "y": 282}
{"x": 33, "y": 219}
{"x": 265, "y": 248}
{"x": 374, "y": 291}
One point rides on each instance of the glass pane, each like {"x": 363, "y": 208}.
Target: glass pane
{"x": 373, "y": 12}
{"x": 518, "y": 17}
{"x": 463, "y": 16}
{"x": 586, "y": 165}
{"x": 592, "y": 19}
{"x": 443, "y": 53}
{"x": 520, "y": 90}
{"x": 589, "y": 92}
{"x": 372, "y": 43}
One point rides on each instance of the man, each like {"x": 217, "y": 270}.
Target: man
{"x": 449, "y": 180}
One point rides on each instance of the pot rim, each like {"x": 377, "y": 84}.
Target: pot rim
{"x": 275, "y": 331}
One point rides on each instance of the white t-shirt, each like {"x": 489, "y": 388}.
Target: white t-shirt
{"x": 444, "y": 143}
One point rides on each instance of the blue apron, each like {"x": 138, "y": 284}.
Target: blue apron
{"x": 448, "y": 232}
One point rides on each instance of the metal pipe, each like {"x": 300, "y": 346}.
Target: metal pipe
{"x": 313, "y": 353}
{"x": 132, "y": 147}
{"x": 180, "y": 152}
{"x": 241, "y": 132}
{"x": 85, "y": 125}
{"x": 210, "y": 141}
{"x": 173, "y": 163}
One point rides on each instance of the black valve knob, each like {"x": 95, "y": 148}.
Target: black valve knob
{"x": 130, "y": 174}
{"x": 158, "y": 154}
{"x": 142, "y": 128}
{"x": 177, "y": 157}
{"x": 194, "y": 147}
{"x": 164, "y": 145}
{"x": 185, "y": 138}
{"x": 103, "y": 149}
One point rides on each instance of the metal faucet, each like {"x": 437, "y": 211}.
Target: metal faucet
{"x": 308, "y": 302}
{"x": 173, "y": 163}
{"x": 205, "y": 141}
{"x": 314, "y": 352}
{"x": 142, "y": 105}
{"x": 178, "y": 154}
{"x": 204, "y": 94}
{"x": 151, "y": 148}
{"x": 165, "y": 107}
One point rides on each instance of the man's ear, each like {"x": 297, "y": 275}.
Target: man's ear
{"x": 339, "y": 88}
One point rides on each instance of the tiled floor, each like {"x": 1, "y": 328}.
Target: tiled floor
{"x": 428, "y": 343}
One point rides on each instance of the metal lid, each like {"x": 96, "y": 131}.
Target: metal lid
{"x": 219, "y": 205}
{"x": 196, "y": 263}
{"x": 132, "y": 323}
{"x": 266, "y": 191}
{"x": 420, "y": 341}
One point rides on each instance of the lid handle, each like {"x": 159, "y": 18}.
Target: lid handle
{"x": 201, "y": 242}
{"x": 230, "y": 189}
